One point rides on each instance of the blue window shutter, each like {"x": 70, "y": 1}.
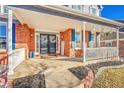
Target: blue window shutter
{"x": 2, "y": 30}
{"x": 13, "y": 36}
{"x": 73, "y": 39}
{"x": 90, "y": 36}
{"x": 73, "y": 35}
{"x": 3, "y": 35}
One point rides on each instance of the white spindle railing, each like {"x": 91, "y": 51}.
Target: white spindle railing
{"x": 101, "y": 53}
{"x": 17, "y": 57}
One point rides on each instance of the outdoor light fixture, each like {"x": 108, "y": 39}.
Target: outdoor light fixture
{"x": 31, "y": 35}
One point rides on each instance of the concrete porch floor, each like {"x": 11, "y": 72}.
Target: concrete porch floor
{"x": 65, "y": 58}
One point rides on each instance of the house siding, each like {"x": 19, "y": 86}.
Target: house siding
{"x": 66, "y": 36}
{"x": 25, "y": 35}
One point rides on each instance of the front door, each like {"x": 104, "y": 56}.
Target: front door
{"x": 47, "y": 44}
{"x": 52, "y": 44}
{"x": 43, "y": 44}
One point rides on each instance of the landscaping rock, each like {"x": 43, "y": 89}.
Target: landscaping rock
{"x": 34, "y": 81}
{"x": 96, "y": 66}
{"x": 80, "y": 72}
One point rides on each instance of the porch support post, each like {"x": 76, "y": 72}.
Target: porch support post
{"x": 84, "y": 44}
{"x": 117, "y": 43}
{"x": 100, "y": 39}
{"x": 9, "y": 42}
{"x": 2, "y": 9}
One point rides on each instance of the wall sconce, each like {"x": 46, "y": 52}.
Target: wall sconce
{"x": 62, "y": 37}
{"x": 31, "y": 35}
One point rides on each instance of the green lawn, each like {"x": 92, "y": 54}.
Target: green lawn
{"x": 111, "y": 78}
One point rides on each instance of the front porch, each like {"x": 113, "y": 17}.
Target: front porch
{"x": 73, "y": 38}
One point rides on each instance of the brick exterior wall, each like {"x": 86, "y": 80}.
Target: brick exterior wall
{"x": 25, "y": 35}
{"x": 3, "y": 54}
{"x": 66, "y": 36}
{"x": 121, "y": 48}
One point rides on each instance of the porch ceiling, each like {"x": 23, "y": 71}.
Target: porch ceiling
{"x": 52, "y": 23}
{"x": 42, "y": 21}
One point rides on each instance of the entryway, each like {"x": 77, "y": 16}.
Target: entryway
{"x": 46, "y": 43}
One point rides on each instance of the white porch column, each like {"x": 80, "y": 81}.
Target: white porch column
{"x": 84, "y": 44}
{"x": 9, "y": 41}
{"x": 117, "y": 44}
{"x": 2, "y": 9}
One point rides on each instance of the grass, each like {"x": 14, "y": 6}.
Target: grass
{"x": 110, "y": 78}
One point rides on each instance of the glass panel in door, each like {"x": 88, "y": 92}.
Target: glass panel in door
{"x": 37, "y": 42}
{"x": 52, "y": 43}
{"x": 44, "y": 44}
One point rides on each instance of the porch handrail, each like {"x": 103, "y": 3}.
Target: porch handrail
{"x": 9, "y": 62}
{"x": 17, "y": 57}
{"x": 101, "y": 53}
{"x": 3, "y": 71}
{"x": 4, "y": 60}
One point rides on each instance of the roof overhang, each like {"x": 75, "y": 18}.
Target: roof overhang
{"x": 58, "y": 18}
{"x": 86, "y": 15}
{"x": 4, "y": 18}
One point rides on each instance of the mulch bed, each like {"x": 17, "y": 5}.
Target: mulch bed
{"x": 34, "y": 81}
{"x": 96, "y": 66}
{"x": 80, "y": 72}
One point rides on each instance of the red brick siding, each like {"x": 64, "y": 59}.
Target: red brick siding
{"x": 4, "y": 54}
{"x": 87, "y": 40}
{"x": 68, "y": 51}
{"x": 24, "y": 34}
{"x": 121, "y": 48}
{"x": 66, "y": 36}
{"x": 79, "y": 52}
{"x": 102, "y": 44}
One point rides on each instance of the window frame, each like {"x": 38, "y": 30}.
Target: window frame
{"x": 77, "y": 39}
{"x": 1, "y": 48}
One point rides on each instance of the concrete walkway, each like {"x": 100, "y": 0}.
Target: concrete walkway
{"x": 56, "y": 72}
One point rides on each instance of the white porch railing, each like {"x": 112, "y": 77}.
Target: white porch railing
{"x": 101, "y": 53}
{"x": 17, "y": 57}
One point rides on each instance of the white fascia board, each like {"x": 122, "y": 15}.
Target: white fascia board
{"x": 78, "y": 13}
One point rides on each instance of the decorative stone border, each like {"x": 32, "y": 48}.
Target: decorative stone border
{"x": 9, "y": 84}
{"x": 88, "y": 81}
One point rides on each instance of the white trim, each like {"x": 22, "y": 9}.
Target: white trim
{"x": 108, "y": 40}
{"x": 36, "y": 42}
{"x": 78, "y": 13}
{"x": 100, "y": 39}
{"x": 84, "y": 44}
{"x": 121, "y": 39}
{"x": 118, "y": 43}
{"x": 47, "y": 31}
{"x": 2, "y": 9}
{"x": 111, "y": 40}
{"x": 121, "y": 32}
{"x": 58, "y": 35}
